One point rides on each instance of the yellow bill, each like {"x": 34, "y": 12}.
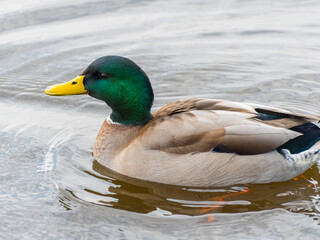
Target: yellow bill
{"x": 75, "y": 86}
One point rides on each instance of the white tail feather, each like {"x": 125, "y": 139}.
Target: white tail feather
{"x": 302, "y": 161}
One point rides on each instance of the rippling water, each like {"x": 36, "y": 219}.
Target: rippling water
{"x": 51, "y": 187}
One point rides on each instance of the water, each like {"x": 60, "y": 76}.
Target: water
{"x": 51, "y": 187}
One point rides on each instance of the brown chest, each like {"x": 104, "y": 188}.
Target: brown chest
{"x": 111, "y": 139}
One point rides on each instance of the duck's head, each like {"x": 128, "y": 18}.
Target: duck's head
{"x": 118, "y": 81}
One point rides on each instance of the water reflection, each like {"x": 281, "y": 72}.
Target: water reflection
{"x": 135, "y": 195}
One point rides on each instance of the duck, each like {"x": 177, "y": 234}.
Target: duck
{"x": 193, "y": 142}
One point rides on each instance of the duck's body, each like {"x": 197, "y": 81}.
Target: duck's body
{"x": 198, "y": 142}
{"x": 195, "y": 143}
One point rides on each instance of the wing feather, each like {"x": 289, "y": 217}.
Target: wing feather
{"x": 200, "y": 125}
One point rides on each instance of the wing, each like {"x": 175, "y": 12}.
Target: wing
{"x": 200, "y": 125}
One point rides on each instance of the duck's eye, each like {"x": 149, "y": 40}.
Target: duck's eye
{"x": 103, "y": 75}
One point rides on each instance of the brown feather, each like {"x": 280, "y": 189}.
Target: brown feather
{"x": 196, "y": 143}
{"x": 199, "y": 125}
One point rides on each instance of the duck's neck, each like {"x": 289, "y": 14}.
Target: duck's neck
{"x": 129, "y": 117}
{"x": 132, "y": 106}
{"x": 132, "y": 109}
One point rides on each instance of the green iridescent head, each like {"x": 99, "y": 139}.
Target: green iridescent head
{"x": 120, "y": 83}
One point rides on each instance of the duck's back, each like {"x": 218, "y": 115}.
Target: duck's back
{"x": 200, "y": 125}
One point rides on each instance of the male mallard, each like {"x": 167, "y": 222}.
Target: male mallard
{"x": 193, "y": 142}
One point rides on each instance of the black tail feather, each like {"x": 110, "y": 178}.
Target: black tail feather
{"x": 311, "y": 135}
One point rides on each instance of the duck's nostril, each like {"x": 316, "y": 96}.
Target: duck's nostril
{"x": 74, "y": 82}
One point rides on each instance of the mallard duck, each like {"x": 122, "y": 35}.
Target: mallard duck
{"x": 193, "y": 142}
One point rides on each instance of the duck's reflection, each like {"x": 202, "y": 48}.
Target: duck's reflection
{"x": 144, "y": 197}
{"x": 140, "y": 196}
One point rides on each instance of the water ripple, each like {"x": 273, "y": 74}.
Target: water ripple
{"x": 236, "y": 50}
